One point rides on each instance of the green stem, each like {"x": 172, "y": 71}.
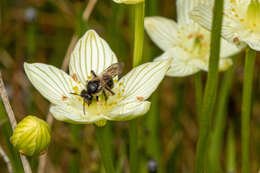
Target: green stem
{"x": 198, "y": 91}
{"x": 104, "y": 144}
{"x": 246, "y": 107}
{"x": 231, "y": 151}
{"x": 218, "y": 131}
{"x": 137, "y": 60}
{"x": 139, "y": 34}
{"x": 210, "y": 90}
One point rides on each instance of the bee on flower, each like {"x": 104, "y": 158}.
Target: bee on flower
{"x": 91, "y": 60}
{"x": 186, "y": 42}
{"x": 241, "y": 21}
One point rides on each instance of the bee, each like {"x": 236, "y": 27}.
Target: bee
{"x": 100, "y": 84}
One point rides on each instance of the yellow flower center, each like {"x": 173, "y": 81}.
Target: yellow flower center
{"x": 253, "y": 15}
{"x": 195, "y": 44}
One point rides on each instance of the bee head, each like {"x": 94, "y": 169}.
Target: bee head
{"x": 88, "y": 97}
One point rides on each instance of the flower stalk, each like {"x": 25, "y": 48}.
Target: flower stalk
{"x": 198, "y": 91}
{"x": 246, "y": 107}
{"x": 231, "y": 150}
{"x": 104, "y": 143}
{"x": 137, "y": 59}
{"x": 220, "y": 121}
{"x": 210, "y": 90}
{"x": 11, "y": 116}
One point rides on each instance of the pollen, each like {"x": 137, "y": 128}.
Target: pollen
{"x": 75, "y": 88}
{"x": 89, "y": 77}
{"x": 140, "y": 98}
{"x": 74, "y": 77}
{"x": 236, "y": 40}
{"x": 121, "y": 83}
{"x": 64, "y": 98}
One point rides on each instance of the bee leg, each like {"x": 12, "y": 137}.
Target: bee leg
{"x": 110, "y": 91}
{"x": 84, "y": 101}
{"x": 105, "y": 95}
{"x": 97, "y": 98}
{"x": 93, "y": 73}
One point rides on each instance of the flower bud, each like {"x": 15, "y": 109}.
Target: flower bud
{"x": 31, "y": 136}
{"x": 128, "y": 1}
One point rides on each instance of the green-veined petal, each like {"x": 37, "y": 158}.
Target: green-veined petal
{"x": 141, "y": 81}
{"x": 162, "y": 31}
{"x": 128, "y": 111}
{"x": 90, "y": 53}
{"x": 71, "y": 115}
{"x": 53, "y": 83}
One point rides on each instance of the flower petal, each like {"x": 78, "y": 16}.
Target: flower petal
{"x": 53, "y": 83}
{"x": 141, "y": 81}
{"x": 228, "y": 49}
{"x": 128, "y": 1}
{"x": 254, "y": 43}
{"x": 129, "y": 111}
{"x": 184, "y": 7}
{"x": 182, "y": 63}
{"x": 90, "y": 53}
{"x": 71, "y": 115}
{"x": 202, "y": 14}
{"x": 162, "y": 31}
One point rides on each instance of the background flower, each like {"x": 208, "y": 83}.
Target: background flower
{"x": 241, "y": 23}
{"x": 185, "y": 42}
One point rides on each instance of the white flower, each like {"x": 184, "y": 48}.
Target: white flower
{"x": 241, "y": 22}
{"x": 187, "y": 43}
{"x": 128, "y": 1}
{"x": 93, "y": 53}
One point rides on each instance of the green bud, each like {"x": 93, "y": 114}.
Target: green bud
{"x": 31, "y": 136}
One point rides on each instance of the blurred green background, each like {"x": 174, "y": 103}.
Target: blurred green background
{"x": 41, "y": 31}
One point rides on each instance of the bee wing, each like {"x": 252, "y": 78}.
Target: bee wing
{"x": 114, "y": 70}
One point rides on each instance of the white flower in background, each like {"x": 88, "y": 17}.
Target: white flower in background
{"x": 93, "y": 53}
{"x": 187, "y": 43}
{"x": 241, "y": 22}
{"x": 128, "y": 1}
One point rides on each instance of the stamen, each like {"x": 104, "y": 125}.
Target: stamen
{"x": 64, "y": 98}
{"x": 140, "y": 98}
{"x": 74, "y": 77}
